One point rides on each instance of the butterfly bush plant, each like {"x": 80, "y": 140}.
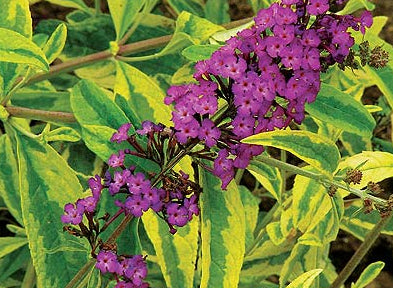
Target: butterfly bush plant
{"x": 157, "y": 144}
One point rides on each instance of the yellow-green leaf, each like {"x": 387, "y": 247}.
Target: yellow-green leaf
{"x": 318, "y": 151}
{"x": 377, "y": 166}
{"x": 305, "y": 280}
{"x": 15, "y": 15}
{"x": 16, "y": 48}
{"x": 341, "y": 110}
{"x": 144, "y": 98}
{"x": 78, "y": 4}
{"x": 55, "y": 43}
{"x": 123, "y": 14}
{"x": 222, "y": 233}
{"x": 369, "y": 274}
{"x": 176, "y": 254}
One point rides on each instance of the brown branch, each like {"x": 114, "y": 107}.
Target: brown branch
{"x": 43, "y": 115}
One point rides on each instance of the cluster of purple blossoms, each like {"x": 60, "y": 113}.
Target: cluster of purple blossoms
{"x": 175, "y": 201}
{"x": 73, "y": 213}
{"x": 129, "y": 271}
{"x": 266, "y": 75}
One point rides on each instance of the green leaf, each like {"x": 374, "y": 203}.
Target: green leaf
{"x": 192, "y": 6}
{"x": 305, "y": 280}
{"x": 62, "y": 134}
{"x": 184, "y": 74}
{"x": 259, "y": 4}
{"x": 16, "y": 48}
{"x": 222, "y": 233}
{"x": 44, "y": 100}
{"x": 55, "y": 44}
{"x": 78, "y": 4}
{"x": 377, "y": 166}
{"x": 318, "y": 151}
{"x": 341, "y": 110}
{"x": 10, "y": 244}
{"x": 268, "y": 176}
{"x": 123, "y": 14}
{"x": 46, "y": 179}
{"x": 99, "y": 117}
{"x": 9, "y": 186}
{"x": 217, "y": 11}
{"x": 369, "y": 274}
{"x": 9, "y": 11}
{"x": 144, "y": 98}
{"x": 15, "y": 15}
{"x": 354, "y": 143}
{"x": 354, "y": 5}
{"x": 176, "y": 254}
{"x": 199, "y": 52}
{"x": 251, "y": 209}
{"x": 198, "y": 28}
{"x": 14, "y": 261}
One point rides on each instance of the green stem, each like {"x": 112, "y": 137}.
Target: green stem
{"x": 319, "y": 177}
{"x": 81, "y": 273}
{"x": 361, "y": 252}
{"x": 21, "y": 129}
{"x": 239, "y": 176}
{"x": 283, "y": 157}
{"x": 13, "y": 90}
{"x": 49, "y": 116}
{"x": 30, "y": 277}
{"x": 83, "y": 61}
{"x": 97, "y": 5}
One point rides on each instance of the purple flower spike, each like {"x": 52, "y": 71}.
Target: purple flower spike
{"x": 366, "y": 20}
{"x": 121, "y": 134}
{"x": 107, "y": 261}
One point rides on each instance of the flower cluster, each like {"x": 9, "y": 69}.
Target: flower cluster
{"x": 129, "y": 271}
{"x": 73, "y": 213}
{"x": 176, "y": 200}
{"x": 265, "y": 74}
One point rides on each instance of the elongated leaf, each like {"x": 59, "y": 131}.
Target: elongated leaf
{"x": 268, "y": 176}
{"x": 378, "y": 166}
{"x": 15, "y": 15}
{"x": 9, "y": 186}
{"x": 99, "y": 117}
{"x": 354, "y": 5}
{"x": 192, "y": 6}
{"x": 62, "y": 134}
{"x": 318, "y": 151}
{"x": 78, "y": 4}
{"x": 21, "y": 50}
{"x": 305, "y": 280}
{"x": 9, "y": 12}
{"x": 369, "y": 274}
{"x": 251, "y": 208}
{"x": 222, "y": 233}
{"x": 144, "y": 97}
{"x": 46, "y": 184}
{"x": 176, "y": 253}
{"x": 217, "y": 11}
{"x": 14, "y": 261}
{"x": 10, "y": 244}
{"x": 198, "y": 28}
{"x": 341, "y": 110}
{"x": 55, "y": 44}
{"x": 123, "y": 14}
{"x": 199, "y": 52}
{"x": 310, "y": 203}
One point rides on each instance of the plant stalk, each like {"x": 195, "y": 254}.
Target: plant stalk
{"x": 30, "y": 277}
{"x": 139, "y": 46}
{"x": 55, "y": 116}
{"x": 361, "y": 252}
